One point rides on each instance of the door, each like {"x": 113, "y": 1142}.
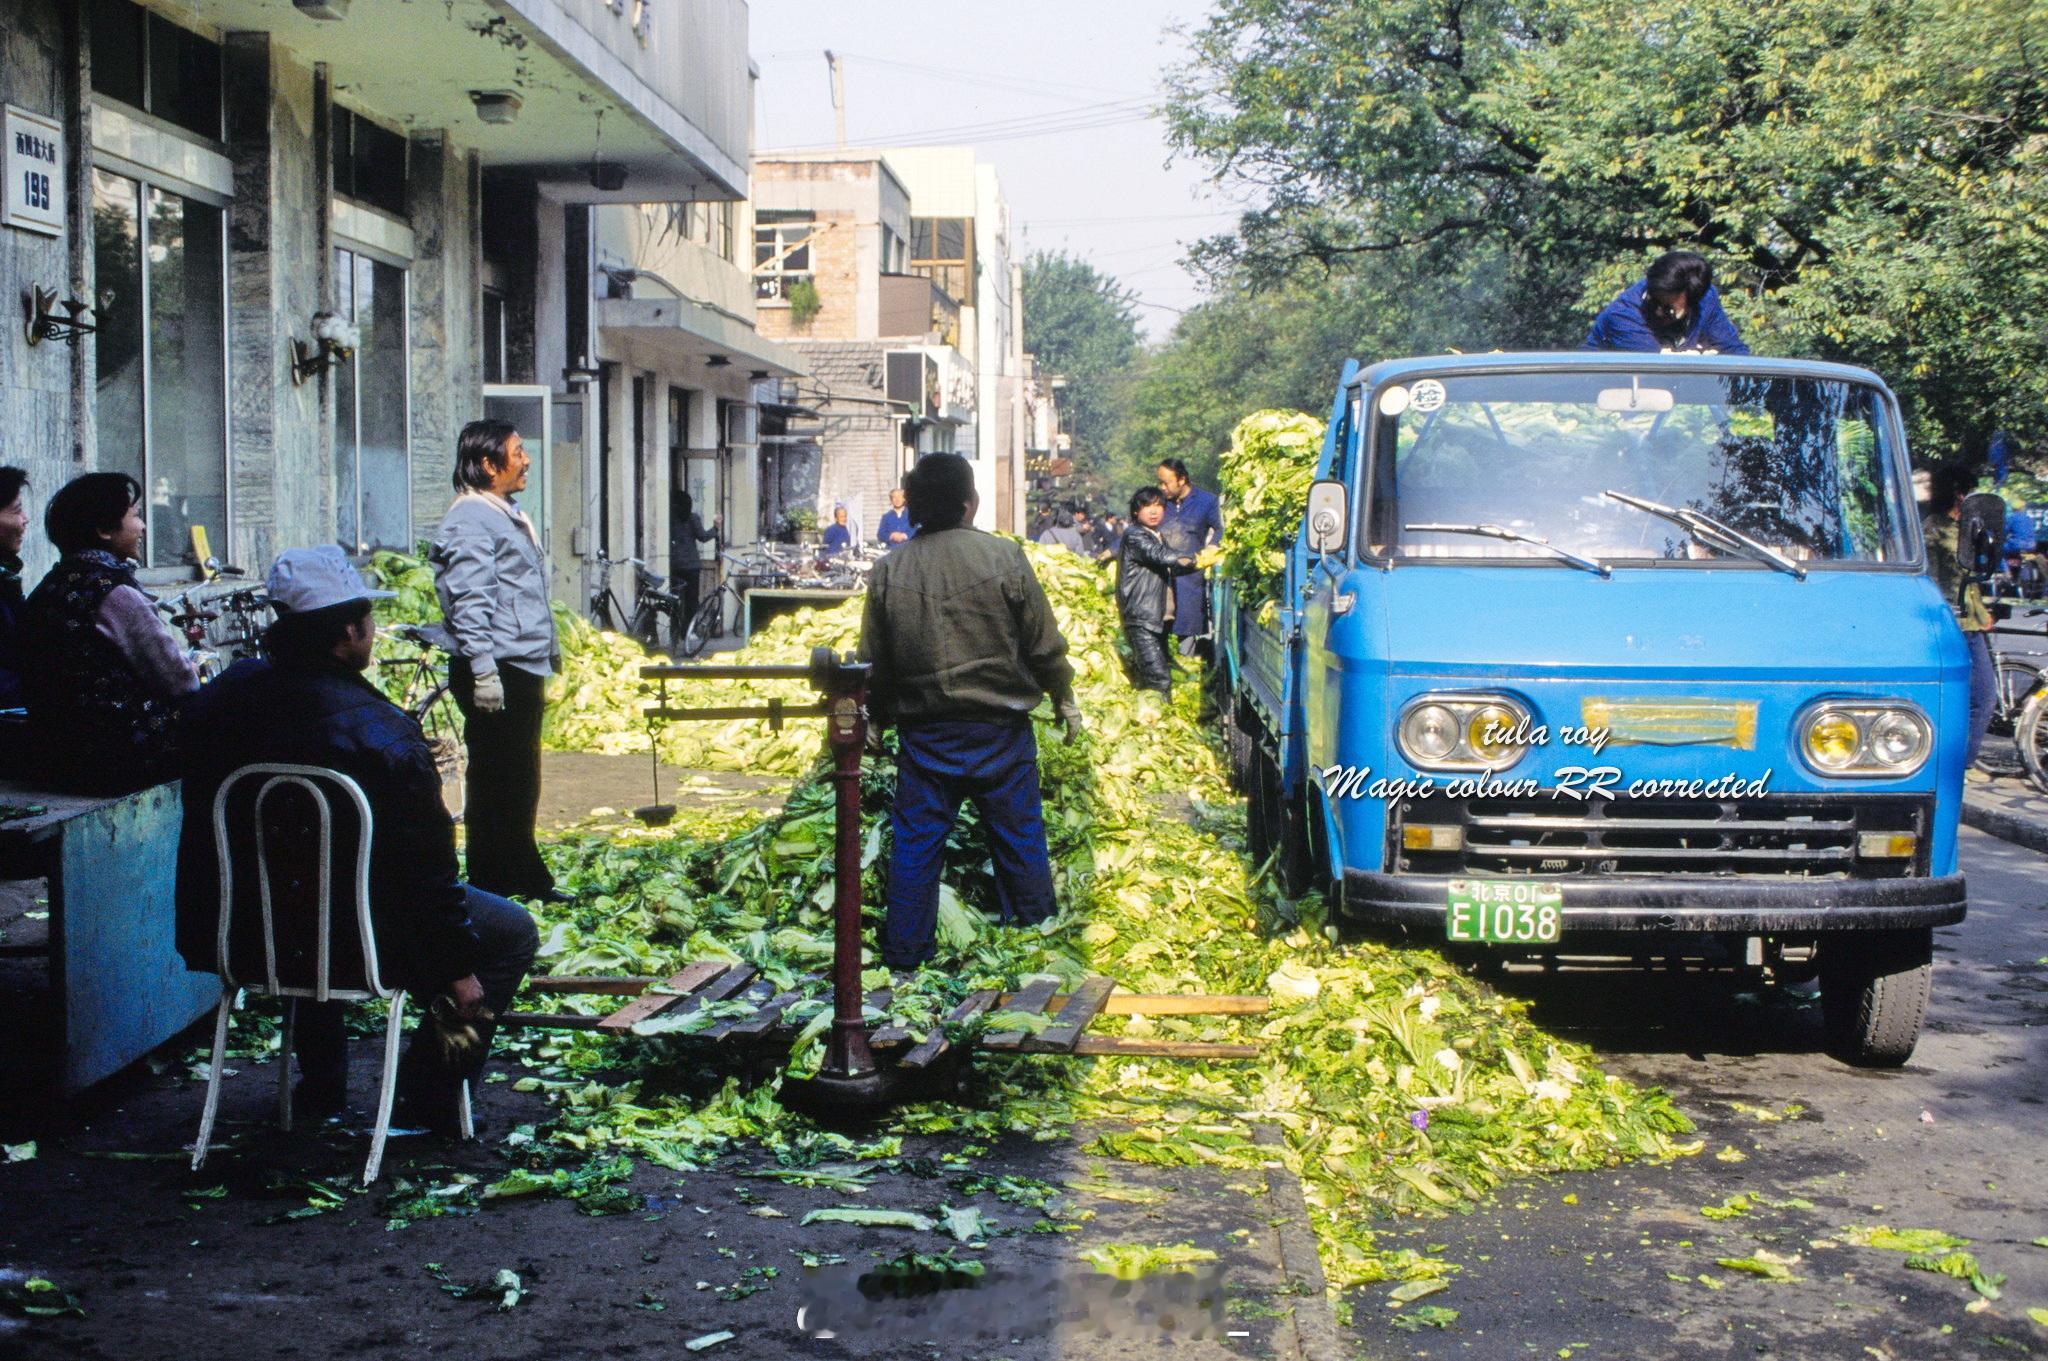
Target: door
{"x": 530, "y": 410}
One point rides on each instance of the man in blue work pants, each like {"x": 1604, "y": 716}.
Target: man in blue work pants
{"x": 964, "y": 646}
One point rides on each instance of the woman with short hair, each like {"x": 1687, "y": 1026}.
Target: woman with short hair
{"x": 491, "y": 574}
{"x": 104, "y": 689}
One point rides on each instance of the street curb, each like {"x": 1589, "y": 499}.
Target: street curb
{"x": 2021, "y": 831}
{"x": 1315, "y": 1323}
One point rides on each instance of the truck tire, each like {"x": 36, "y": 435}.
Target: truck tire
{"x": 1238, "y": 745}
{"x": 1873, "y": 995}
{"x": 1258, "y": 828}
{"x": 1283, "y": 827}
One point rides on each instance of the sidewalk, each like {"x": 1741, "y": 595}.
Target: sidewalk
{"x": 2008, "y": 808}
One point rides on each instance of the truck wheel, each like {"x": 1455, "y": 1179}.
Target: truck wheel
{"x": 1258, "y": 833}
{"x": 1873, "y": 995}
{"x": 1239, "y": 744}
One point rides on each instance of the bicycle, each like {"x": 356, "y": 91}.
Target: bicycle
{"x": 652, "y": 605}
{"x": 219, "y": 629}
{"x": 417, "y": 682}
{"x": 709, "y": 620}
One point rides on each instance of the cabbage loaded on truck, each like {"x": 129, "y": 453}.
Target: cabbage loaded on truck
{"x": 1616, "y": 657}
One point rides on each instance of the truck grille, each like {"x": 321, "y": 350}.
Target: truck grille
{"x": 1776, "y": 836}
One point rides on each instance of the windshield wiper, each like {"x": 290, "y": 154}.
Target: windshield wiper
{"x": 1592, "y": 565}
{"x": 1714, "y": 533}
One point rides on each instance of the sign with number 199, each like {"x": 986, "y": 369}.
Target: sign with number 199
{"x": 34, "y": 170}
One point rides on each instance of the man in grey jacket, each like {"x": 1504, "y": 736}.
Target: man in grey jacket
{"x": 491, "y": 575}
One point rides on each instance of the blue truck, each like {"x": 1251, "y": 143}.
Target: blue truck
{"x": 1615, "y": 657}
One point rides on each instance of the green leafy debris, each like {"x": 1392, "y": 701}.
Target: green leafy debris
{"x": 868, "y": 1219}
{"x": 1901, "y": 1240}
{"x": 39, "y": 1297}
{"x": 1768, "y": 1265}
{"x": 1428, "y": 1316}
{"x": 1133, "y": 1261}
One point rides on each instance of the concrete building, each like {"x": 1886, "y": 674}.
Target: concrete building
{"x": 889, "y": 273}
{"x": 313, "y": 238}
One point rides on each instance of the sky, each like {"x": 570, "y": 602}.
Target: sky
{"x": 1054, "y": 93}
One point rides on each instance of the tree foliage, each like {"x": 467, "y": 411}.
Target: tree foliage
{"x": 1870, "y": 177}
{"x": 1081, "y": 325}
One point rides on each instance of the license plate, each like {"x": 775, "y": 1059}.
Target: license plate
{"x": 1497, "y": 912}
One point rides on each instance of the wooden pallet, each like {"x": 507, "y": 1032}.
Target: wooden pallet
{"x": 700, "y": 984}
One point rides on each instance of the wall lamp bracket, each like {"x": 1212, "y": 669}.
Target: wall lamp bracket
{"x": 335, "y": 339}
{"x": 50, "y": 318}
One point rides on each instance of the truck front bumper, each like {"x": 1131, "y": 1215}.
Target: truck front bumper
{"x": 1416, "y": 903}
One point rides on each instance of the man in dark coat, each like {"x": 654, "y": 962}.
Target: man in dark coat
{"x": 1194, "y": 521}
{"x": 964, "y": 645}
{"x": 1672, "y": 307}
{"x": 306, "y": 703}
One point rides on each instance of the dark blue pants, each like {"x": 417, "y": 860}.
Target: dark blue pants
{"x": 1983, "y": 690}
{"x": 994, "y": 764}
{"x": 506, "y": 941}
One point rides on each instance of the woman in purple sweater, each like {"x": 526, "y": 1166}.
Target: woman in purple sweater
{"x": 102, "y": 673}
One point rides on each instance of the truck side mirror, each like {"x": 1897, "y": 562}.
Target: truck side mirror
{"x": 1328, "y": 511}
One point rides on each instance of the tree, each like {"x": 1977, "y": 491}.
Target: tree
{"x": 1082, "y": 326}
{"x": 1870, "y": 177}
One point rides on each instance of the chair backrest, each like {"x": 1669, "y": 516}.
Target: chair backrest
{"x": 306, "y": 835}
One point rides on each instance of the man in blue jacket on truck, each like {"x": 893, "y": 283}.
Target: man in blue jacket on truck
{"x": 1672, "y": 307}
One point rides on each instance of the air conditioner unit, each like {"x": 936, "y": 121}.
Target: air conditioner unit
{"x": 912, "y": 379}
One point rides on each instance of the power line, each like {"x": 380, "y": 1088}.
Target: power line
{"x": 960, "y": 74}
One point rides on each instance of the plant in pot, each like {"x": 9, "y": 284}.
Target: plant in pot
{"x": 800, "y": 524}
{"x": 804, "y": 303}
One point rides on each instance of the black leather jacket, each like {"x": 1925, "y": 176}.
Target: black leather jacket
{"x": 326, "y": 716}
{"x": 1144, "y": 564}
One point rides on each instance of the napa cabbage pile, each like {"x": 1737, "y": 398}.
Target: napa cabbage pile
{"x": 1402, "y": 1086}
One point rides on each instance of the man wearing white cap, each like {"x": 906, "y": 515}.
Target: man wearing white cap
{"x": 306, "y": 702}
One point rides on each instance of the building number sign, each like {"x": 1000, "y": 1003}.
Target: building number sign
{"x": 35, "y": 173}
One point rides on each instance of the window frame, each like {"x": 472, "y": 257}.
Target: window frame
{"x": 144, "y": 181}
{"x": 148, "y": 21}
{"x": 348, "y": 246}
{"x": 936, "y": 267}
{"x": 772, "y": 280}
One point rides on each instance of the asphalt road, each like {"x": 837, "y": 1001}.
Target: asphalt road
{"x": 1606, "y": 1265}
{"x": 1956, "y": 1141}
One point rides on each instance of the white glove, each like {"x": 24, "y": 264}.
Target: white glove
{"x": 490, "y": 693}
{"x": 1070, "y": 720}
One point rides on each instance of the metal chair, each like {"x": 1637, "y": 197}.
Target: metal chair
{"x": 314, "y": 782}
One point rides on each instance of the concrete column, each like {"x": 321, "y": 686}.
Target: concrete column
{"x": 260, "y": 322}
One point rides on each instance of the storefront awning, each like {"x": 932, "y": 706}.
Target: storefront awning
{"x": 690, "y": 335}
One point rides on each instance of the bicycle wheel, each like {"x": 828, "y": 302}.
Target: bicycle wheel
{"x": 441, "y": 721}
{"x": 2016, "y": 679}
{"x": 701, "y": 626}
{"x": 2030, "y": 739}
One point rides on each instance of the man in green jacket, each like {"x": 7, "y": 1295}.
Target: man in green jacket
{"x": 963, "y": 645}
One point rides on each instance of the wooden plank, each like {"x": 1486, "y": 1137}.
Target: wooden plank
{"x": 758, "y": 992}
{"x": 1109, "y": 1045}
{"x": 1170, "y": 1004}
{"x": 935, "y": 1044}
{"x": 1191, "y": 1004}
{"x": 1071, "y": 1019}
{"x": 761, "y": 1022}
{"x": 550, "y": 1020}
{"x": 673, "y": 990}
{"x": 592, "y": 984}
{"x": 1033, "y": 998}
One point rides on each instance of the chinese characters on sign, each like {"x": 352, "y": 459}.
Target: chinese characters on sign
{"x": 35, "y": 173}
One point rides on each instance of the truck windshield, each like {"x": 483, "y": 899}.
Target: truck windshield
{"x": 1802, "y": 466}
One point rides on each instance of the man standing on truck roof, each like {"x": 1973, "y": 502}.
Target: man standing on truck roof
{"x": 1194, "y": 521}
{"x": 1673, "y": 307}
{"x": 964, "y": 644}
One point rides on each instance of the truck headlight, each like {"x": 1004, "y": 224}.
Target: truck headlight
{"x": 1460, "y": 732}
{"x": 1863, "y": 739}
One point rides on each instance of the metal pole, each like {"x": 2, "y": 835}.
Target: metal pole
{"x": 846, "y": 729}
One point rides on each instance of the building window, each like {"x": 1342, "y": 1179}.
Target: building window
{"x": 895, "y": 254}
{"x": 708, "y": 222}
{"x": 782, "y": 252}
{"x": 161, "y": 282}
{"x": 146, "y": 61}
{"x": 942, "y": 249}
{"x": 369, "y": 163}
{"x": 372, "y": 446}
{"x": 494, "y": 335}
